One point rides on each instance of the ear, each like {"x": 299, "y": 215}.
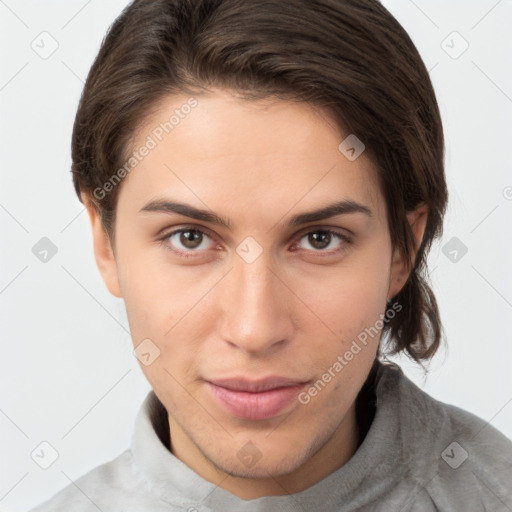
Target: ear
{"x": 400, "y": 269}
{"x": 103, "y": 251}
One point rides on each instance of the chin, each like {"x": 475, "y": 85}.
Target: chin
{"x": 250, "y": 462}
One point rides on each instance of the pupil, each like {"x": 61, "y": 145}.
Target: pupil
{"x": 189, "y": 239}
{"x": 320, "y": 239}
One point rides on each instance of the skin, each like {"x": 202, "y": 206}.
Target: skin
{"x": 291, "y": 312}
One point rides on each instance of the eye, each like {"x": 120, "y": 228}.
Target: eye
{"x": 188, "y": 240}
{"x": 323, "y": 240}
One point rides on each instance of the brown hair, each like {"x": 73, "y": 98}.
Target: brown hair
{"x": 349, "y": 56}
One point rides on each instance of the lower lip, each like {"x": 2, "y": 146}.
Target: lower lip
{"x": 255, "y": 406}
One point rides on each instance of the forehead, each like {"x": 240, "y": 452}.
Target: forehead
{"x": 223, "y": 151}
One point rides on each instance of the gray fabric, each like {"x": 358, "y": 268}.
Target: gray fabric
{"x": 399, "y": 467}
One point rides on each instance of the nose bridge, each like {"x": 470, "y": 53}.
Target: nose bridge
{"x": 253, "y": 283}
{"x": 254, "y": 316}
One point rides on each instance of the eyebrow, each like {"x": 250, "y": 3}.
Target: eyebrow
{"x": 339, "y": 208}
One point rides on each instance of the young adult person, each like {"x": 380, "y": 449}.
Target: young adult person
{"x": 264, "y": 180}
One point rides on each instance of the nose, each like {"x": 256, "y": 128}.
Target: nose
{"x": 256, "y": 307}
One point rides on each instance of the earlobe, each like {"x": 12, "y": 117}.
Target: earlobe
{"x": 400, "y": 269}
{"x": 103, "y": 252}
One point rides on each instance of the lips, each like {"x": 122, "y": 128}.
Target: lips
{"x": 255, "y": 399}
{"x": 255, "y": 386}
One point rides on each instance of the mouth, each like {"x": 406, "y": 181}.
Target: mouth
{"x": 258, "y": 399}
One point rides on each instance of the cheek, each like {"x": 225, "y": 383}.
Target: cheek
{"x": 350, "y": 296}
{"x": 148, "y": 292}
{"x": 351, "y": 305}
{"x": 163, "y": 301}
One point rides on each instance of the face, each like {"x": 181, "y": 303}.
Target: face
{"x": 250, "y": 305}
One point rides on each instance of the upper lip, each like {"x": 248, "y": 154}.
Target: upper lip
{"x": 257, "y": 385}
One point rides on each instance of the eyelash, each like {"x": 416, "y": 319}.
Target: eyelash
{"x": 191, "y": 252}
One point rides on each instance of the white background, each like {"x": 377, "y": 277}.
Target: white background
{"x": 67, "y": 369}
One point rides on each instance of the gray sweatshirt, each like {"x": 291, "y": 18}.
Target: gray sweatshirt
{"x": 418, "y": 455}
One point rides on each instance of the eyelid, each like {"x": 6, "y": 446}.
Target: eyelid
{"x": 166, "y": 232}
{"x": 343, "y": 232}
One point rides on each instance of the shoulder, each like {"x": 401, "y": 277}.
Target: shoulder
{"x": 453, "y": 455}
{"x": 476, "y": 461}
{"x": 101, "y": 487}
